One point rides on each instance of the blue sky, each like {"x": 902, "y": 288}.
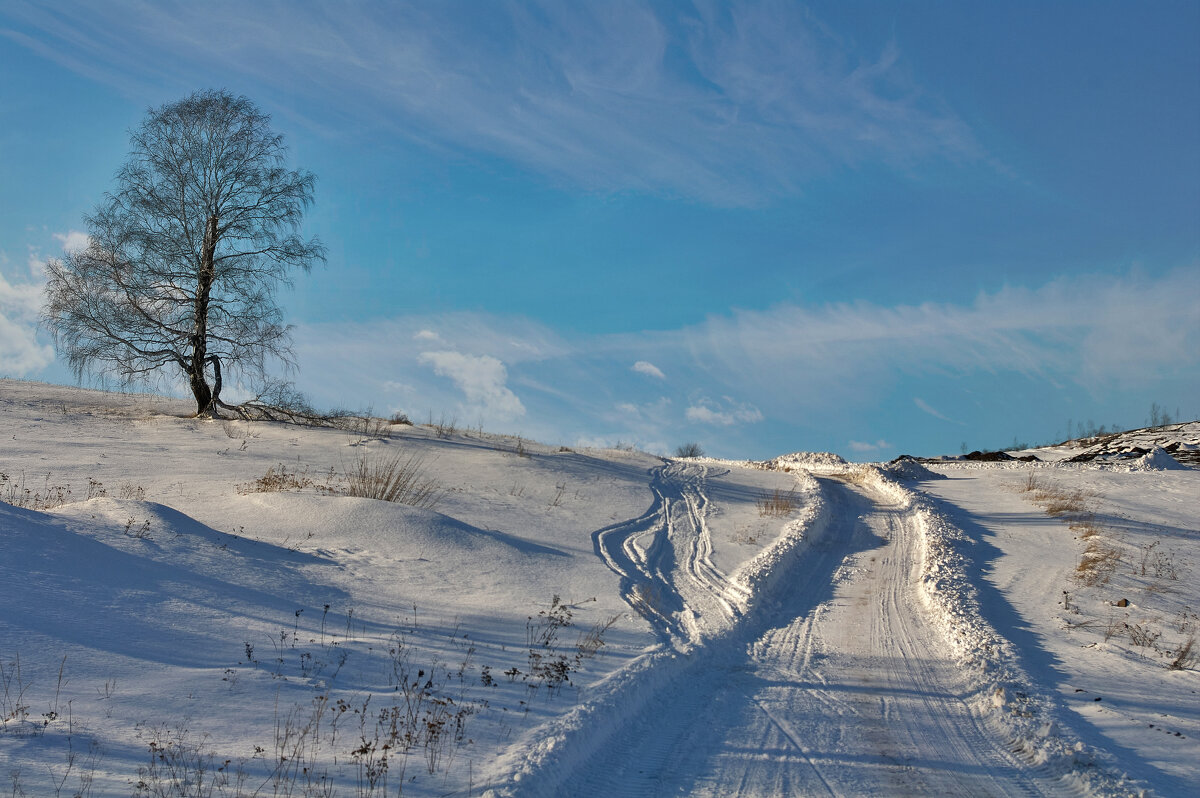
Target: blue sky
{"x": 868, "y": 228}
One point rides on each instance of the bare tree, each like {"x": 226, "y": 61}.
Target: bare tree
{"x": 186, "y": 255}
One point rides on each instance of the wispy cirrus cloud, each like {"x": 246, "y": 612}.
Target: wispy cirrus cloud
{"x": 867, "y": 447}
{"x": 724, "y": 413}
{"x": 926, "y": 407}
{"x": 1093, "y": 331}
{"x": 1095, "y": 335}
{"x": 729, "y": 104}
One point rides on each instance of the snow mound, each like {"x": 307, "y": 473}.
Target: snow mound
{"x": 907, "y": 469}
{"x": 805, "y": 460}
{"x": 140, "y": 579}
{"x": 1157, "y": 459}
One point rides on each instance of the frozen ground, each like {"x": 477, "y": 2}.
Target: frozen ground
{"x": 191, "y": 602}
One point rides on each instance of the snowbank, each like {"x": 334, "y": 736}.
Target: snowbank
{"x": 909, "y": 470}
{"x": 813, "y": 461}
{"x": 1005, "y": 694}
{"x": 761, "y": 575}
{"x": 1157, "y": 459}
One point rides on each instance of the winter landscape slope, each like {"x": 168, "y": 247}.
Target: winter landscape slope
{"x": 202, "y": 604}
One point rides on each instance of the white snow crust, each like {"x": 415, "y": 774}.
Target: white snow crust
{"x": 798, "y": 626}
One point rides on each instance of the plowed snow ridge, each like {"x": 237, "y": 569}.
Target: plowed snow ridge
{"x": 833, "y": 676}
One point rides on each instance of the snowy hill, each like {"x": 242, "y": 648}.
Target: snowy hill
{"x": 205, "y": 602}
{"x": 1180, "y": 441}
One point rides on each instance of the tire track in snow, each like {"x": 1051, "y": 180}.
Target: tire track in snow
{"x": 664, "y": 559}
{"x": 730, "y": 596}
{"x": 843, "y": 687}
{"x": 624, "y": 549}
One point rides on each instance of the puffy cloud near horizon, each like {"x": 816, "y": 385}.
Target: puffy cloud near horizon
{"x": 482, "y": 379}
{"x": 21, "y": 354}
{"x": 1091, "y": 335}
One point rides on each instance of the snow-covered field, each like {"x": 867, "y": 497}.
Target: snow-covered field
{"x": 188, "y": 602}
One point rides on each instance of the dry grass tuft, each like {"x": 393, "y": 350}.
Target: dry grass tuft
{"x": 1187, "y": 655}
{"x": 1098, "y": 563}
{"x": 276, "y": 480}
{"x": 1056, "y": 499}
{"x": 777, "y": 504}
{"x": 397, "y": 479}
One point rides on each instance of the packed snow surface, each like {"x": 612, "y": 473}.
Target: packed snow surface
{"x": 202, "y": 604}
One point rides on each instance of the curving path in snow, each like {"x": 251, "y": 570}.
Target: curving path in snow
{"x": 842, "y": 686}
{"x": 664, "y": 559}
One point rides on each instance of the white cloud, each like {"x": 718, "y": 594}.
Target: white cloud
{"x": 729, "y": 104}
{"x": 863, "y": 447}
{"x": 482, "y": 380}
{"x": 21, "y": 353}
{"x": 628, "y": 409}
{"x": 426, "y": 335}
{"x": 811, "y": 366}
{"x": 73, "y": 241}
{"x": 925, "y": 406}
{"x": 392, "y": 386}
{"x": 649, "y": 369}
{"x": 723, "y": 414}
{"x": 1091, "y": 330}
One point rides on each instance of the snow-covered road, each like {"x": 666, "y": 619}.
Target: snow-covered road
{"x": 842, "y": 686}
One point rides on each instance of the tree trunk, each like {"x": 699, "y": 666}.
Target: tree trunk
{"x": 216, "y": 387}
{"x": 199, "y": 337}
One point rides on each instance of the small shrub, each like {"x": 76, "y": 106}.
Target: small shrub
{"x": 45, "y": 498}
{"x": 592, "y": 641}
{"x": 443, "y": 427}
{"x": 179, "y": 764}
{"x": 1186, "y": 656}
{"x": 276, "y": 480}
{"x": 235, "y": 432}
{"x": 541, "y": 635}
{"x": 1063, "y": 502}
{"x": 13, "y": 706}
{"x": 397, "y": 479}
{"x": 1142, "y": 636}
{"x": 1157, "y": 563}
{"x": 690, "y": 449}
{"x": 129, "y": 490}
{"x": 1098, "y": 563}
{"x": 777, "y": 504}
